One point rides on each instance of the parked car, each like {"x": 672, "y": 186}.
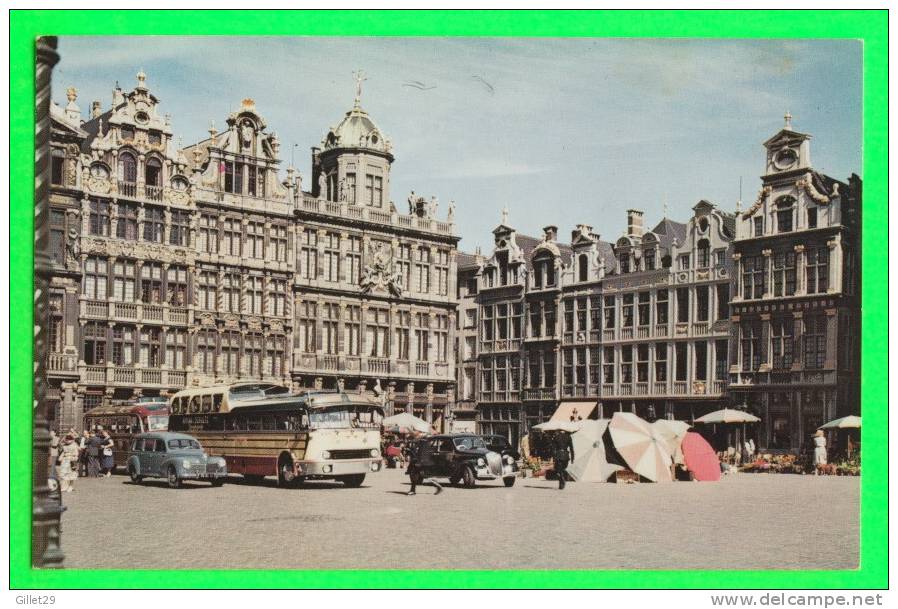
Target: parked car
{"x": 175, "y": 457}
{"x": 501, "y": 445}
{"x": 464, "y": 458}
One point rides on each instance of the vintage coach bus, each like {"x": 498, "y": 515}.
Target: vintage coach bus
{"x": 125, "y": 420}
{"x": 265, "y": 430}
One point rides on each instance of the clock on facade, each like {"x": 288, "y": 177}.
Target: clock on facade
{"x": 785, "y": 158}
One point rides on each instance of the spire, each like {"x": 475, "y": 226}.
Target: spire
{"x": 788, "y": 119}
{"x": 505, "y": 216}
{"x": 359, "y": 79}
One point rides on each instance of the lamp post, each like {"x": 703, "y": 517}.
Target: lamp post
{"x": 45, "y": 510}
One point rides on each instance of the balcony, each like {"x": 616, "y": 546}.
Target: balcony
{"x": 641, "y": 389}
{"x": 626, "y": 333}
{"x": 136, "y": 312}
{"x": 701, "y": 328}
{"x": 660, "y": 387}
{"x": 373, "y": 215}
{"x": 538, "y": 393}
{"x": 127, "y": 189}
{"x": 642, "y": 332}
{"x": 608, "y": 335}
{"x": 422, "y": 368}
{"x": 133, "y": 376}
{"x": 680, "y": 388}
{"x": 660, "y": 330}
{"x": 152, "y": 193}
{"x": 62, "y": 363}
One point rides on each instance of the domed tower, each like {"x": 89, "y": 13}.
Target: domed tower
{"x": 353, "y": 162}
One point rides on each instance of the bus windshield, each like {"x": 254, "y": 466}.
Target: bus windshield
{"x": 343, "y": 417}
{"x": 158, "y": 422}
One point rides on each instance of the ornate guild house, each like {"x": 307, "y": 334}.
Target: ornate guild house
{"x": 186, "y": 265}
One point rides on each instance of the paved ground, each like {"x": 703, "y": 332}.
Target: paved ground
{"x": 746, "y": 521}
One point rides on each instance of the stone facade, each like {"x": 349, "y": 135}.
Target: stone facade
{"x": 185, "y": 265}
{"x": 795, "y": 360}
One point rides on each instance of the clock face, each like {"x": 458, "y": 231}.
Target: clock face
{"x": 785, "y": 158}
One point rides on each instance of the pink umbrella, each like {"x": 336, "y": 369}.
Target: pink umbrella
{"x": 640, "y": 445}
{"x": 700, "y": 458}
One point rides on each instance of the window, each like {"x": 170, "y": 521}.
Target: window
{"x": 230, "y": 353}
{"x": 123, "y": 345}
{"x": 723, "y": 301}
{"x": 232, "y": 237}
{"x": 354, "y": 261}
{"x": 583, "y": 267}
{"x": 350, "y": 188}
{"x": 150, "y": 347}
{"x": 100, "y": 218}
{"x": 609, "y": 312}
{"x": 374, "y": 190}
{"x": 352, "y": 345}
{"x": 442, "y": 270}
{"x": 781, "y": 343}
{"x": 759, "y": 226}
{"x": 255, "y": 290}
{"x": 127, "y": 172}
{"x": 784, "y": 214}
{"x": 124, "y": 280}
{"x": 624, "y": 262}
{"x": 661, "y": 362}
{"x": 331, "y": 266}
{"x": 751, "y": 345}
{"x": 608, "y": 364}
{"x": 595, "y": 314}
{"x": 422, "y": 337}
{"x": 305, "y": 336}
{"x": 544, "y": 271}
{"x": 377, "y": 327}
{"x": 703, "y": 254}
{"x": 812, "y": 217}
{"x": 644, "y": 308}
{"x": 487, "y": 324}
{"x": 57, "y": 236}
{"x": 720, "y": 258}
{"x": 126, "y": 224}
{"x": 681, "y": 353}
{"x": 702, "y": 298}
{"x": 151, "y": 283}
{"x": 252, "y": 179}
{"x": 626, "y": 312}
{"x": 642, "y": 363}
{"x": 96, "y": 274}
{"x": 422, "y": 269}
{"x": 403, "y": 264}
{"x": 176, "y": 349}
{"x": 536, "y": 319}
{"x": 486, "y": 377}
{"x": 179, "y": 234}
{"x": 581, "y": 314}
{"x": 754, "y": 276}
{"x": 649, "y": 257}
{"x": 277, "y": 297}
{"x": 402, "y": 334}
{"x": 254, "y": 244}
{"x": 207, "y": 240}
{"x": 580, "y": 367}
{"x": 626, "y": 364}
{"x": 153, "y": 173}
{"x": 308, "y": 257}
{"x": 276, "y": 360}
{"x": 721, "y": 353}
{"x": 516, "y": 319}
{"x": 153, "y": 224}
{"x": 661, "y": 307}
{"x": 278, "y": 243}
{"x": 127, "y": 132}
{"x": 154, "y": 138}
{"x": 207, "y": 290}
{"x": 783, "y": 274}
{"x": 701, "y": 360}
{"x": 94, "y": 334}
{"x": 204, "y": 357}
{"x": 814, "y": 341}
{"x": 567, "y": 367}
{"x": 595, "y": 366}
{"x": 549, "y": 318}
{"x": 441, "y": 334}
{"x": 682, "y": 305}
{"x": 230, "y": 293}
{"x": 568, "y": 316}
{"x": 817, "y": 268}
{"x": 57, "y": 165}
{"x": 329, "y": 328}
{"x": 684, "y": 262}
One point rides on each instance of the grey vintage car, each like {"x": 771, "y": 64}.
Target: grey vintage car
{"x": 175, "y": 457}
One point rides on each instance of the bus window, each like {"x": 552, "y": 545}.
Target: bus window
{"x": 195, "y": 404}
{"x": 207, "y": 403}
{"x": 216, "y": 402}
{"x": 268, "y": 423}
{"x": 157, "y": 422}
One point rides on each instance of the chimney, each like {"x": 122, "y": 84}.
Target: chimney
{"x": 634, "y": 222}
{"x": 584, "y": 230}
{"x": 95, "y": 109}
{"x": 550, "y": 233}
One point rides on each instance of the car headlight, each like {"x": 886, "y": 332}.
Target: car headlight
{"x": 480, "y": 462}
{"x": 508, "y": 459}
{"x": 375, "y": 452}
{"x": 325, "y": 454}
{"x": 186, "y": 462}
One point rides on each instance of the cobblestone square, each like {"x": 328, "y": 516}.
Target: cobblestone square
{"x": 746, "y": 521}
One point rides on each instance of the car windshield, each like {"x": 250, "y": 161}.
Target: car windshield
{"x": 468, "y": 443}
{"x": 342, "y": 417}
{"x": 182, "y": 443}
{"x": 157, "y": 423}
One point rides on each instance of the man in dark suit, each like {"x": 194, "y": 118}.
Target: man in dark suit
{"x": 564, "y": 455}
{"x": 421, "y": 458}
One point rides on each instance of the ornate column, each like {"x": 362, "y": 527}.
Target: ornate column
{"x": 410, "y": 391}
{"x": 768, "y": 273}
{"x": 801, "y": 285}
{"x": 46, "y": 548}
{"x": 835, "y": 264}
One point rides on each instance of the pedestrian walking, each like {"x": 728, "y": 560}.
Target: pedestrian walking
{"x": 93, "y": 454}
{"x": 420, "y": 458}
{"x": 107, "y": 462}
{"x": 563, "y": 455}
{"x": 82, "y": 453}
{"x": 819, "y": 451}
{"x": 67, "y": 463}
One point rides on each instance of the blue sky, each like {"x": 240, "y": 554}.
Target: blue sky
{"x": 562, "y": 131}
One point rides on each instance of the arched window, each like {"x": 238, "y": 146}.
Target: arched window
{"x": 583, "y": 267}
{"x": 544, "y": 270}
{"x": 704, "y": 254}
{"x": 154, "y": 172}
{"x": 127, "y": 168}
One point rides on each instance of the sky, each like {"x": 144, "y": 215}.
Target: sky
{"x": 561, "y": 131}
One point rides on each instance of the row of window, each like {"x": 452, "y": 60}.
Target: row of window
{"x": 784, "y": 268}
{"x": 783, "y": 346}
{"x": 785, "y": 216}
{"x": 373, "y": 193}
{"x": 322, "y": 328}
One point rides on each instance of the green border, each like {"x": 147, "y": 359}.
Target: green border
{"x": 871, "y": 26}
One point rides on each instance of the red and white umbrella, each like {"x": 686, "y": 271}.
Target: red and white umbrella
{"x": 700, "y": 458}
{"x": 642, "y": 447}
{"x": 673, "y": 432}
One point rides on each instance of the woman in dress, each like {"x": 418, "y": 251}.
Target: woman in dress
{"x": 106, "y": 460}
{"x": 819, "y": 451}
{"x": 67, "y": 463}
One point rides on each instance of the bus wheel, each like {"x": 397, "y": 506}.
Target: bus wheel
{"x": 286, "y": 474}
{"x": 253, "y": 478}
{"x": 217, "y": 481}
{"x": 468, "y": 478}
{"x": 135, "y": 477}
{"x": 353, "y": 481}
{"x": 173, "y": 480}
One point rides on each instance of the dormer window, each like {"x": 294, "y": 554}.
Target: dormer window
{"x": 583, "y": 267}
{"x": 684, "y": 262}
{"x": 57, "y": 166}
{"x": 812, "y": 217}
{"x": 758, "y": 226}
{"x": 544, "y": 271}
{"x": 649, "y": 257}
{"x": 624, "y": 262}
{"x": 704, "y": 254}
{"x": 784, "y": 214}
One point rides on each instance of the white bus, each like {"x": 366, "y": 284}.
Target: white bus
{"x": 265, "y": 430}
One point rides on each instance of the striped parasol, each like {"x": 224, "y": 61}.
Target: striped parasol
{"x": 643, "y": 449}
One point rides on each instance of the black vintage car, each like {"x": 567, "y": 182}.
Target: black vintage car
{"x": 501, "y": 445}
{"x": 462, "y": 458}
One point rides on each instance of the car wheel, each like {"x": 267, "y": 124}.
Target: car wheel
{"x": 353, "y": 481}
{"x": 217, "y": 481}
{"x": 135, "y": 477}
{"x": 173, "y": 480}
{"x": 467, "y": 477}
{"x": 509, "y": 482}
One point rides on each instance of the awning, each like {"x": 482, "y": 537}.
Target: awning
{"x": 566, "y": 411}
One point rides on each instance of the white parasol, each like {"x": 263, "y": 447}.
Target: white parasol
{"x": 728, "y": 415}
{"x": 673, "y": 433}
{"x": 405, "y": 423}
{"x": 849, "y": 422}
{"x": 568, "y": 426}
{"x": 589, "y": 464}
{"x": 642, "y": 448}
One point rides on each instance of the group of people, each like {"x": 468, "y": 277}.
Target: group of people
{"x": 74, "y": 456}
